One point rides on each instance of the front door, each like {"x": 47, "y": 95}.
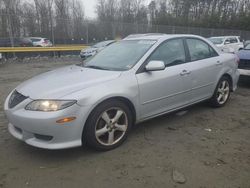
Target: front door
{"x": 165, "y": 90}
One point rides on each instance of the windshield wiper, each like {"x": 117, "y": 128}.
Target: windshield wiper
{"x": 96, "y": 67}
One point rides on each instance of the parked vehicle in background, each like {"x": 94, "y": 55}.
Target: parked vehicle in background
{"x": 88, "y": 52}
{"x": 130, "y": 81}
{"x": 244, "y": 63}
{"x": 16, "y": 42}
{"x": 230, "y": 44}
{"x": 40, "y": 42}
{"x": 246, "y": 43}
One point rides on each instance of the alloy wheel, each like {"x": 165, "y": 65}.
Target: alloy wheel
{"x": 223, "y": 92}
{"x": 111, "y": 126}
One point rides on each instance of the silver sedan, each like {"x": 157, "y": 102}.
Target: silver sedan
{"x": 133, "y": 80}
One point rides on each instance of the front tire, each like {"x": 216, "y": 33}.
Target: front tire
{"x": 221, "y": 93}
{"x": 107, "y": 126}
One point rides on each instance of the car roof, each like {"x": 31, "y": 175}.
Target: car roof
{"x": 224, "y": 36}
{"x": 156, "y": 36}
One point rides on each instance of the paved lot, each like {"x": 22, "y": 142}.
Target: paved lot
{"x": 210, "y": 147}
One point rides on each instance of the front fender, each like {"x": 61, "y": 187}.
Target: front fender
{"x": 125, "y": 87}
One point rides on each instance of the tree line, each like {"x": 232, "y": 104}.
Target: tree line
{"x": 226, "y": 14}
{"x": 65, "y": 19}
{"x": 45, "y": 18}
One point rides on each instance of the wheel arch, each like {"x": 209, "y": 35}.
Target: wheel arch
{"x": 125, "y": 100}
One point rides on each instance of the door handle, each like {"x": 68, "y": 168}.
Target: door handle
{"x": 218, "y": 63}
{"x": 185, "y": 72}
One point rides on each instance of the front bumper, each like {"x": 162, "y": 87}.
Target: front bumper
{"x": 40, "y": 129}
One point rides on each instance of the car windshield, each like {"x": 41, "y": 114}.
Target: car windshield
{"x": 120, "y": 56}
{"x": 247, "y": 47}
{"x": 217, "y": 40}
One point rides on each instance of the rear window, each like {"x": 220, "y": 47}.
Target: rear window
{"x": 199, "y": 49}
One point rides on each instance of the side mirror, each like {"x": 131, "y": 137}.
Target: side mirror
{"x": 155, "y": 66}
{"x": 241, "y": 49}
{"x": 227, "y": 42}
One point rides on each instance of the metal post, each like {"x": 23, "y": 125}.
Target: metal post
{"x": 87, "y": 32}
{"x": 113, "y": 30}
{"x": 51, "y": 26}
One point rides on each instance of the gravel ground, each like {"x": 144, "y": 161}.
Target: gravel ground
{"x": 201, "y": 147}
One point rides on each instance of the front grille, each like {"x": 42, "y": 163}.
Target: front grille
{"x": 244, "y": 64}
{"x": 16, "y": 98}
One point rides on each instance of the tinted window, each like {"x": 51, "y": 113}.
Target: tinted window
{"x": 35, "y": 40}
{"x": 199, "y": 49}
{"x": 233, "y": 40}
{"x": 171, "y": 52}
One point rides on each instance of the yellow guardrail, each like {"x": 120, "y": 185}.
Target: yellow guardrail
{"x": 41, "y": 49}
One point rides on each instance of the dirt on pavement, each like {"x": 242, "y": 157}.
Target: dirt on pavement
{"x": 205, "y": 147}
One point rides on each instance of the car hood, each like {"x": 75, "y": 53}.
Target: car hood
{"x": 64, "y": 81}
{"x": 244, "y": 54}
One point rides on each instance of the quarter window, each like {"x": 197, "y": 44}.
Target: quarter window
{"x": 199, "y": 49}
{"x": 171, "y": 53}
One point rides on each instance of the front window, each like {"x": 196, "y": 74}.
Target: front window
{"x": 120, "y": 56}
{"x": 217, "y": 40}
{"x": 171, "y": 53}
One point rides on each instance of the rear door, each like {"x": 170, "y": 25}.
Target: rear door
{"x": 204, "y": 65}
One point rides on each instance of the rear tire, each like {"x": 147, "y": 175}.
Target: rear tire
{"x": 107, "y": 126}
{"x": 221, "y": 93}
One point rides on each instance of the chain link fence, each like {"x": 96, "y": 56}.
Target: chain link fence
{"x": 66, "y": 32}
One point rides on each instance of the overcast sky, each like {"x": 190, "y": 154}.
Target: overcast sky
{"x": 90, "y": 7}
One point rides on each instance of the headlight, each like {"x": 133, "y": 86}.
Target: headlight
{"x": 49, "y": 105}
